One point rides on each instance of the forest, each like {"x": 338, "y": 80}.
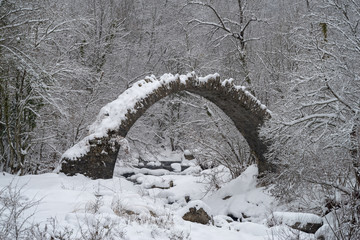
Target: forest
{"x": 61, "y": 61}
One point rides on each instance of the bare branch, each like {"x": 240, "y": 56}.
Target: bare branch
{"x": 223, "y": 26}
{"x": 310, "y": 117}
{"x": 331, "y": 184}
{"x": 320, "y": 102}
{"x": 16, "y": 11}
{"x": 339, "y": 98}
{"x": 23, "y": 23}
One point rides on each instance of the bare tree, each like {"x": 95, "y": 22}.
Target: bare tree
{"x": 230, "y": 30}
{"x": 314, "y": 134}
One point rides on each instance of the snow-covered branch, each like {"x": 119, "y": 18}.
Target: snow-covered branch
{"x": 210, "y": 24}
{"x": 345, "y": 190}
{"x": 223, "y": 26}
{"x": 331, "y": 100}
{"x": 23, "y": 23}
{"x": 338, "y": 97}
{"x": 310, "y": 117}
{"x": 16, "y": 11}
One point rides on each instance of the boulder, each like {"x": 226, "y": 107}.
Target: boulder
{"x": 305, "y": 222}
{"x": 197, "y": 215}
{"x": 196, "y": 211}
{"x": 188, "y": 155}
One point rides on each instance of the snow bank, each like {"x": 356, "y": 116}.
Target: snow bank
{"x": 241, "y": 198}
{"x": 305, "y": 222}
{"x": 285, "y": 232}
{"x": 136, "y": 212}
{"x": 325, "y": 232}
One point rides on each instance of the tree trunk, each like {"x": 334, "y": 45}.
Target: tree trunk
{"x": 355, "y": 139}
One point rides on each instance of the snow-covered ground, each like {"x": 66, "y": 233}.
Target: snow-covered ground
{"x": 147, "y": 207}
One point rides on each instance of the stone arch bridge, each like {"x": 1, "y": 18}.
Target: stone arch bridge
{"x": 96, "y": 154}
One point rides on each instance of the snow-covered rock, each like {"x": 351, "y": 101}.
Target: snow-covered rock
{"x": 188, "y": 155}
{"x": 196, "y": 211}
{"x": 325, "y": 233}
{"x": 240, "y": 197}
{"x": 176, "y": 167}
{"x": 306, "y": 222}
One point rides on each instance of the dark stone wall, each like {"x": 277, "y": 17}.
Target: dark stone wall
{"x": 243, "y": 109}
{"x": 98, "y": 163}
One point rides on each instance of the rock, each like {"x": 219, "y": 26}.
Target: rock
{"x": 222, "y": 221}
{"x": 227, "y": 197}
{"x": 188, "y": 155}
{"x": 198, "y": 216}
{"x": 234, "y": 218}
{"x": 308, "y": 227}
{"x": 163, "y": 185}
{"x": 305, "y": 222}
{"x": 196, "y": 211}
{"x": 129, "y": 212}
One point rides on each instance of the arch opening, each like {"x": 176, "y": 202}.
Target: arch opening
{"x": 96, "y": 154}
{"x": 184, "y": 123}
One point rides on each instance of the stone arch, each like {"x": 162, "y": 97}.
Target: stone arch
{"x": 96, "y": 154}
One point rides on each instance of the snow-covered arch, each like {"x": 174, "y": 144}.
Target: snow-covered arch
{"x": 96, "y": 154}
